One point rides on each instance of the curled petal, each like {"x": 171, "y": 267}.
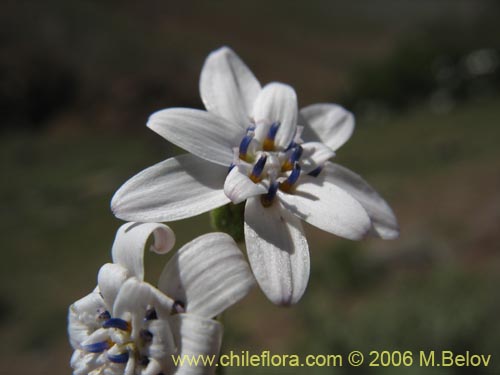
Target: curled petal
{"x": 197, "y": 337}
{"x": 162, "y": 343}
{"x": 177, "y": 188}
{"x": 82, "y": 318}
{"x": 96, "y": 338}
{"x": 203, "y": 134}
{"x": 328, "y": 123}
{"x": 277, "y": 251}
{"x": 227, "y": 87}
{"x": 133, "y": 300}
{"x": 276, "y": 103}
{"x": 328, "y": 207}
{"x": 155, "y": 367}
{"x": 130, "y": 243}
{"x": 207, "y": 275}
{"x": 384, "y": 222}
{"x": 83, "y": 363}
{"x": 110, "y": 279}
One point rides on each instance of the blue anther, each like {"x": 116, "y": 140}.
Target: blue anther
{"x": 178, "y": 307}
{"x": 316, "y": 172}
{"x": 245, "y": 142}
{"x": 251, "y": 128}
{"x": 97, "y": 347}
{"x": 151, "y": 314}
{"x": 259, "y": 167}
{"x": 105, "y": 315}
{"x": 273, "y": 130}
{"x": 296, "y": 154}
{"x": 290, "y": 146}
{"x": 144, "y": 361}
{"x": 271, "y": 193}
{"x": 268, "y": 144}
{"x": 116, "y": 323}
{"x": 294, "y": 176}
{"x": 231, "y": 167}
{"x": 267, "y": 199}
{"x": 119, "y": 358}
{"x": 145, "y": 335}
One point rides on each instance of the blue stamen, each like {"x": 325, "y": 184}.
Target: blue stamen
{"x": 119, "y": 358}
{"x": 145, "y": 335}
{"x": 116, "y": 323}
{"x": 267, "y": 199}
{"x": 294, "y": 176}
{"x": 268, "y": 144}
{"x": 296, "y": 154}
{"x": 251, "y": 128}
{"x": 231, "y": 167}
{"x": 105, "y": 315}
{"x": 258, "y": 168}
{"x": 316, "y": 171}
{"x": 151, "y": 314}
{"x": 245, "y": 142}
{"x": 290, "y": 146}
{"x": 144, "y": 361}
{"x": 287, "y": 185}
{"x": 273, "y": 130}
{"x": 178, "y": 307}
{"x": 293, "y": 158}
{"x": 97, "y": 347}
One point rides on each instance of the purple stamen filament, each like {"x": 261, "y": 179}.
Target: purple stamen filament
{"x": 258, "y": 168}
{"x": 271, "y": 135}
{"x": 267, "y": 199}
{"x": 292, "y": 179}
{"x": 244, "y": 144}
{"x": 97, "y": 347}
{"x": 117, "y": 323}
{"x": 119, "y": 358}
{"x": 316, "y": 172}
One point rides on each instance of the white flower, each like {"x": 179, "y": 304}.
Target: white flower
{"x": 248, "y": 146}
{"x": 127, "y": 326}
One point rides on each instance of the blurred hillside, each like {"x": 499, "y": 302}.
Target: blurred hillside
{"x": 109, "y": 66}
{"x": 78, "y": 80}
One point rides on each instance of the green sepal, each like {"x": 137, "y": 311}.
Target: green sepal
{"x": 229, "y": 219}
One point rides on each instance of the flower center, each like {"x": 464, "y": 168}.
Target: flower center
{"x": 119, "y": 343}
{"x": 278, "y": 168}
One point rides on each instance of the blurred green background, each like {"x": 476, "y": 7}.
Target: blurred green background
{"x": 79, "y": 78}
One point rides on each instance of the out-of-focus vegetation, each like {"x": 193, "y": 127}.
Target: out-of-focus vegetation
{"x": 78, "y": 80}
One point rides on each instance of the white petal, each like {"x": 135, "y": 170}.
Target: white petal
{"x": 174, "y": 189}
{"x": 384, "y": 221}
{"x": 277, "y": 250}
{"x": 315, "y": 154}
{"x": 201, "y": 133}
{"x": 83, "y": 363}
{"x": 110, "y": 279}
{"x": 162, "y": 343}
{"x": 134, "y": 298}
{"x": 197, "y": 338}
{"x": 327, "y": 207}
{"x": 130, "y": 243}
{"x": 207, "y": 275}
{"x": 238, "y": 186}
{"x": 82, "y": 318}
{"x": 155, "y": 367}
{"x": 102, "y": 334}
{"x": 277, "y": 102}
{"x": 329, "y": 123}
{"x": 227, "y": 87}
